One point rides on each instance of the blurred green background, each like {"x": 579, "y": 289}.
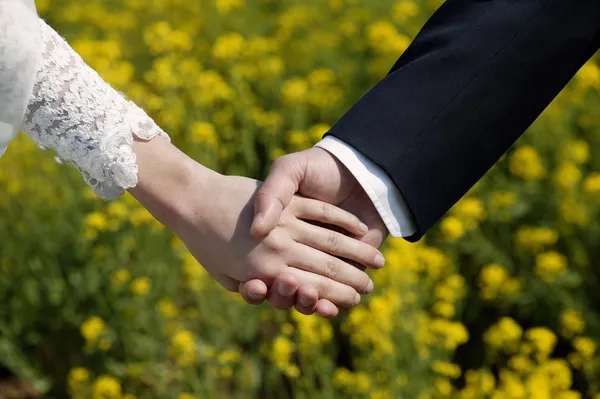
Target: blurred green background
{"x": 99, "y": 301}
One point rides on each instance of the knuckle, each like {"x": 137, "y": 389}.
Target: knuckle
{"x": 331, "y": 269}
{"x": 322, "y": 288}
{"x": 276, "y": 246}
{"x": 333, "y": 242}
{"x": 325, "y": 210}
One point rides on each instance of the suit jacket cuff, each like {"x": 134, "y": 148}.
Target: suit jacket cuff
{"x": 379, "y": 187}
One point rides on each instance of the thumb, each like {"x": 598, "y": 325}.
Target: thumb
{"x": 276, "y": 193}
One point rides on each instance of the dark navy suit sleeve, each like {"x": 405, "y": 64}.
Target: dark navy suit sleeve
{"x": 473, "y": 80}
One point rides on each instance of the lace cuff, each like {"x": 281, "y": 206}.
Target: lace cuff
{"x": 75, "y": 112}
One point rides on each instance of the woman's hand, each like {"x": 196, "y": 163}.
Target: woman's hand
{"x": 217, "y": 233}
{"x": 212, "y": 215}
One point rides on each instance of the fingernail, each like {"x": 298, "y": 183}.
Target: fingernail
{"x": 379, "y": 261}
{"x": 284, "y": 289}
{"x": 304, "y": 301}
{"x": 370, "y": 287}
{"x": 363, "y": 228}
{"x": 357, "y": 300}
{"x": 258, "y": 218}
{"x": 254, "y": 296}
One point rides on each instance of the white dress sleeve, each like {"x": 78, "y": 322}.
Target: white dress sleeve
{"x": 19, "y": 57}
{"x": 75, "y": 112}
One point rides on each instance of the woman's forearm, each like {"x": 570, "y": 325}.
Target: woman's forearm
{"x": 165, "y": 178}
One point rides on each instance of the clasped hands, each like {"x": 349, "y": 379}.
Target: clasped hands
{"x": 303, "y": 238}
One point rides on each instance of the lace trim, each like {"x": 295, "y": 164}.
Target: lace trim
{"x": 90, "y": 125}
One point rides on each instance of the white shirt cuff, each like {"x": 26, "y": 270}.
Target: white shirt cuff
{"x": 377, "y": 184}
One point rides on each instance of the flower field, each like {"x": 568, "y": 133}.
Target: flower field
{"x": 500, "y": 300}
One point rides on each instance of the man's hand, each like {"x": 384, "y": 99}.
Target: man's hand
{"x": 313, "y": 173}
{"x": 212, "y": 215}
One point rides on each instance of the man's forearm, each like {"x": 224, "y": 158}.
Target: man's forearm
{"x": 474, "y": 79}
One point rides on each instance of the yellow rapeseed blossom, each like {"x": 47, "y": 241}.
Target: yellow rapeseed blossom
{"x": 566, "y": 176}
{"x": 452, "y": 228}
{"x": 535, "y": 238}
{"x": 226, "y": 6}
{"x": 571, "y": 323}
{"x": 525, "y": 163}
{"x": 470, "y": 211}
{"x": 141, "y": 286}
{"x": 106, "y": 387}
{"x": 543, "y": 339}
{"x": 120, "y": 277}
{"x": 204, "y": 133}
{"x": 550, "y": 265}
{"x": 184, "y": 347}
{"x": 505, "y": 334}
{"x": 591, "y": 184}
{"x": 93, "y": 328}
{"x": 77, "y": 377}
{"x": 228, "y": 47}
{"x": 585, "y": 346}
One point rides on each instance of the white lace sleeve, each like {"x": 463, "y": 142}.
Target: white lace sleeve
{"x": 75, "y": 112}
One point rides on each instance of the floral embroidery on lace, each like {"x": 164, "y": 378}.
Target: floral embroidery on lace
{"x": 75, "y": 112}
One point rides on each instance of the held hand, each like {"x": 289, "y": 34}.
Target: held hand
{"x": 313, "y": 173}
{"x": 217, "y": 234}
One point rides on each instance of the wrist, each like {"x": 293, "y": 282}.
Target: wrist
{"x": 167, "y": 181}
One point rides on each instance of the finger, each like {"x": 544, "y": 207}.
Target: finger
{"x": 319, "y": 211}
{"x": 337, "y": 244}
{"x": 339, "y": 294}
{"x": 228, "y": 283}
{"x": 282, "y": 294}
{"x": 276, "y": 193}
{"x": 311, "y": 260}
{"x": 327, "y": 309}
{"x": 254, "y": 292}
{"x": 307, "y": 298}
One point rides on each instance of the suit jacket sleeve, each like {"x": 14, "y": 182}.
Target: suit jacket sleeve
{"x": 474, "y": 79}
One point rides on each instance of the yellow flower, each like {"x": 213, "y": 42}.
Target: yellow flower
{"x": 294, "y": 90}
{"x": 542, "y": 338}
{"x": 106, "y": 387}
{"x": 535, "y": 238}
{"x": 184, "y": 346}
{"x": 141, "y": 286}
{"x": 566, "y": 176}
{"x": 585, "y": 346}
{"x": 167, "y": 309}
{"x": 452, "y": 228}
{"x": 470, "y": 211}
{"x": 577, "y": 151}
{"x": 403, "y": 10}
{"x": 282, "y": 351}
{"x": 571, "y": 322}
{"x": 226, "y": 6}
{"x": 204, "y": 133}
{"x": 185, "y": 395}
{"x": 228, "y": 46}
{"x": 588, "y": 75}
{"x": 591, "y": 184}
{"x": 93, "y": 328}
{"x": 120, "y": 277}
{"x": 504, "y": 334}
{"x": 503, "y": 199}
{"x": 550, "y": 265}
{"x": 526, "y": 164}
{"x": 446, "y": 369}
{"x": 77, "y": 377}
{"x": 384, "y": 37}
